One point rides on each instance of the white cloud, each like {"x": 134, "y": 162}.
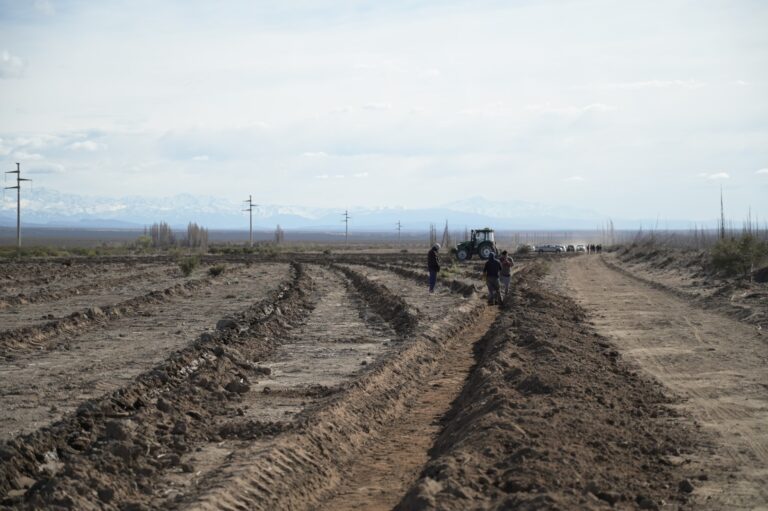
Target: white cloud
{"x": 430, "y": 73}
{"x": 378, "y": 106}
{"x": 45, "y": 7}
{"x": 11, "y": 66}
{"x": 656, "y": 84}
{"x": 762, "y": 171}
{"x": 548, "y": 108}
{"x": 87, "y": 145}
{"x": 742, "y": 83}
{"x": 715, "y": 175}
{"x": 573, "y": 179}
{"x": 318, "y": 154}
{"x": 46, "y": 168}
{"x": 322, "y": 176}
{"x": 361, "y": 175}
{"x": 23, "y": 155}
{"x": 201, "y": 157}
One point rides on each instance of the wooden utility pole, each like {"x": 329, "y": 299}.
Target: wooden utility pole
{"x": 19, "y": 179}
{"x": 251, "y": 205}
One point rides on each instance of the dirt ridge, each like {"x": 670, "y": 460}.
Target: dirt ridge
{"x": 552, "y": 418}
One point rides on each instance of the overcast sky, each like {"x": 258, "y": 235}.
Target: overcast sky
{"x": 634, "y": 109}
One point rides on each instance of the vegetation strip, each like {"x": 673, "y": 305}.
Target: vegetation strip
{"x": 553, "y": 418}
{"x": 140, "y": 429}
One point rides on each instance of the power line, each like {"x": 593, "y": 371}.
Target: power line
{"x": 19, "y": 179}
{"x": 251, "y": 205}
{"x": 399, "y": 228}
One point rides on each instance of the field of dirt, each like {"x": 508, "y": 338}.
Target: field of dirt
{"x": 333, "y": 381}
{"x": 689, "y": 275}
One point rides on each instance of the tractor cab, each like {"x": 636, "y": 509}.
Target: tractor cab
{"x": 482, "y": 235}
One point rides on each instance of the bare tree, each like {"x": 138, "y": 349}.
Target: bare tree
{"x": 279, "y": 234}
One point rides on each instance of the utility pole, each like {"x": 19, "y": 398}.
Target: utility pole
{"x": 19, "y": 179}
{"x": 251, "y": 205}
{"x": 346, "y": 225}
{"x": 399, "y": 228}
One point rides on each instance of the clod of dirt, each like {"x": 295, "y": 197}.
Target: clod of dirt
{"x": 238, "y": 387}
{"x": 227, "y": 324}
{"x": 685, "y": 486}
{"x": 106, "y": 494}
{"x": 117, "y": 430}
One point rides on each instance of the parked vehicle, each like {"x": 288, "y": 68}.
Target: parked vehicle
{"x": 550, "y": 249}
{"x": 570, "y": 248}
{"x": 581, "y": 248}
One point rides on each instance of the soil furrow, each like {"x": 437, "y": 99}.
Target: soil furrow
{"x": 378, "y": 479}
{"x": 39, "y": 388}
{"x": 337, "y": 431}
{"x": 142, "y": 428}
{"x": 44, "y": 336}
{"x": 551, "y": 418}
{"x": 93, "y": 283}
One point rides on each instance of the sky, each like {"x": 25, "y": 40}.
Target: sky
{"x": 631, "y": 109}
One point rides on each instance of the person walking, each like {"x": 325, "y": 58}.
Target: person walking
{"x": 506, "y": 272}
{"x": 433, "y": 265}
{"x": 491, "y": 272}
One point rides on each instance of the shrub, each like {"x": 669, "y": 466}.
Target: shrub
{"x": 188, "y": 264}
{"x": 733, "y": 257}
{"x": 215, "y": 271}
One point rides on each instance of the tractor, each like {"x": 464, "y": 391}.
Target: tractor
{"x": 481, "y": 242}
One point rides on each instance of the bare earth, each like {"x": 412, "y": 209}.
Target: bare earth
{"x": 718, "y": 365}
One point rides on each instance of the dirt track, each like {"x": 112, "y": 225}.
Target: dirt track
{"x": 718, "y": 365}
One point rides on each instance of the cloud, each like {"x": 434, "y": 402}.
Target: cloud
{"x": 201, "y": 157}
{"x": 762, "y": 171}
{"x": 87, "y": 145}
{"x": 430, "y": 73}
{"x": 45, "y": 7}
{"x": 322, "y": 176}
{"x": 547, "y": 108}
{"x": 378, "y": 106}
{"x": 656, "y": 84}
{"x": 11, "y": 66}
{"x": 23, "y": 155}
{"x": 318, "y": 154}
{"x": 715, "y": 176}
{"x": 46, "y": 168}
{"x": 573, "y": 179}
{"x": 361, "y": 175}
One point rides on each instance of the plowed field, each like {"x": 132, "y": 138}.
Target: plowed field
{"x": 339, "y": 382}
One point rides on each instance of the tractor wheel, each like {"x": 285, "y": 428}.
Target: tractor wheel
{"x": 485, "y": 250}
{"x": 462, "y": 254}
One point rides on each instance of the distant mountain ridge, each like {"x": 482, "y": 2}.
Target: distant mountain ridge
{"x": 43, "y": 207}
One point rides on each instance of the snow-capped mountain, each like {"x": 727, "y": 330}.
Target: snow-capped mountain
{"x": 45, "y": 207}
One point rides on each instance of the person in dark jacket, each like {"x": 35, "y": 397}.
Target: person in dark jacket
{"x": 433, "y": 265}
{"x": 491, "y": 272}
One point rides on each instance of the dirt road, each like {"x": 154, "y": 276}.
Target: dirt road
{"x": 718, "y": 366}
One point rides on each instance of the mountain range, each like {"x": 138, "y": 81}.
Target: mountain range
{"x": 49, "y": 208}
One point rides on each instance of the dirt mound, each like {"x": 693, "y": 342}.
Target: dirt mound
{"x": 551, "y": 418}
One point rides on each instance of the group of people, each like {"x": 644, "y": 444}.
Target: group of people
{"x": 497, "y": 273}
